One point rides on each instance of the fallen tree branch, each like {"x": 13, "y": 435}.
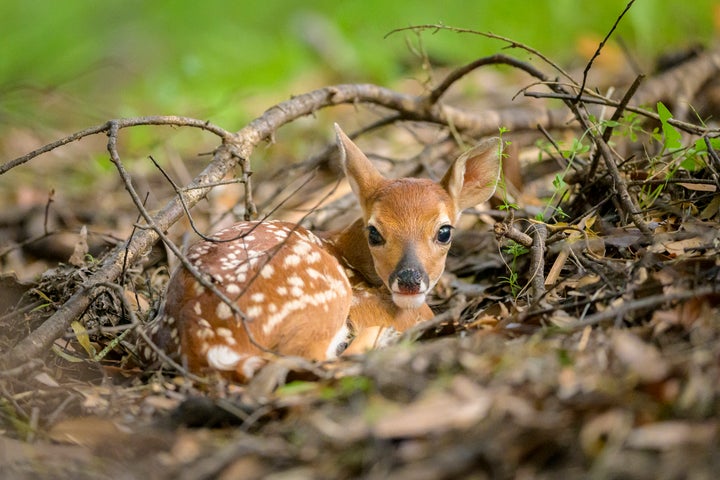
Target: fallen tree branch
{"x": 121, "y": 123}
{"x": 652, "y": 301}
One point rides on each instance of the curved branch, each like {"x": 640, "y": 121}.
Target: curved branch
{"x": 121, "y": 123}
{"x": 498, "y": 59}
{"x": 511, "y": 43}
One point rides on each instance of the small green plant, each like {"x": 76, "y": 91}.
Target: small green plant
{"x": 630, "y": 126}
{"x": 515, "y": 250}
{"x": 670, "y": 135}
{"x": 672, "y": 157}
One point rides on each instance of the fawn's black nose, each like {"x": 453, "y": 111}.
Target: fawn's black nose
{"x": 409, "y": 280}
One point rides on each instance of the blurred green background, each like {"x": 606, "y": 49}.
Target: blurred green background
{"x": 67, "y": 65}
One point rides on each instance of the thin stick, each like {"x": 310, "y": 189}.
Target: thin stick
{"x": 120, "y": 123}
{"x": 599, "y": 49}
{"x": 537, "y": 261}
{"x": 615, "y": 117}
{"x": 652, "y": 301}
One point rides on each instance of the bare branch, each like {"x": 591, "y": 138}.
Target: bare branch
{"x": 121, "y": 123}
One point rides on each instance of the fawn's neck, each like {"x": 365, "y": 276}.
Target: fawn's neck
{"x": 351, "y": 248}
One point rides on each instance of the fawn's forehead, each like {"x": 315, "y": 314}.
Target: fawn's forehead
{"x": 414, "y": 200}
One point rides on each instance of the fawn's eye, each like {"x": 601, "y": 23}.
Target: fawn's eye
{"x": 444, "y": 234}
{"x": 374, "y": 237}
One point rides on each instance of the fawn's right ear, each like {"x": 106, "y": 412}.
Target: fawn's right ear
{"x": 473, "y": 177}
{"x": 362, "y": 175}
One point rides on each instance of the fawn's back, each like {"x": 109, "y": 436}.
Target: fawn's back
{"x": 291, "y": 292}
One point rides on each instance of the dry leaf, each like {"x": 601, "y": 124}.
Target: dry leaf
{"x": 670, "y": 435}
{"x": 562, "y": 319}
{"x": 87, "y": 431}
{"x": 608, "y": 429}
{"x": 437, "y": 411}
{"x": 81, "y": 249}
{"x": 679, "y": 247}
{"x": 83, "y": 338}
{"x": 699, "y": 187}
{"x": 46, "y": 379}
{"x": 642, "y": 359}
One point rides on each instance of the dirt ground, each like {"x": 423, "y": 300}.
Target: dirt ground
{"x": 578, "y": 320}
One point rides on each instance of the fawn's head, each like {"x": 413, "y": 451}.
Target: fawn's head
{"x": 409, "y": 221}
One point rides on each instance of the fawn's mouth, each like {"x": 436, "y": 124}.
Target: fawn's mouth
{"x": 408, "y": 301}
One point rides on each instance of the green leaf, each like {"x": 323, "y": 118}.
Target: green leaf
{"x": 671, "y": 134}
{"x": 610, "y": 123}
{"x": 296, "y": 387}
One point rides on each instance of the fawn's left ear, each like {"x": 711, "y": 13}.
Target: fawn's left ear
{"x": 473, "y": 177}
{"x": 362, "y": 175}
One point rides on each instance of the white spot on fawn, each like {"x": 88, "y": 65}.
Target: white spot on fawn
{"x": 296, "y": 281}
{"x": 222, "y": 357}
{"x": 314, "y": 274}
{"x": 302, "y": 248}
{"x": 267, "y": 271}
{"x": 254, "y": 311}
{"x": 292, "y": 260}
{"x": 232, "y": 289}
{"x": 203, "y": 333}
{"x": 257, "y": 297}
{"x": 224, "y": 332}
{"x": 314, "y": 257}
{"x": 223, "y": 311}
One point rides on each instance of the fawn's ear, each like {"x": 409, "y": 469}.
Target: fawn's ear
{"x": 361, "y": 173}
{"x": 473, "y": 177}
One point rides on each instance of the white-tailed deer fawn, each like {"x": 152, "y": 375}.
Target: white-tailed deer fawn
{"x": 318, "y": 296}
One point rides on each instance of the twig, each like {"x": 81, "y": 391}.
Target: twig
{"x": 413, "y": 333}
{"x": 624, "y": 197}
{"x": 619, "y": 110}
{"x": 22, "y": 369}
{"x": 120, "y": 123}
{"x": 621, "y": 310}
{"x": 512, "y": 43}
{"x": 537, "y": 260}
{"x": 600, "y": 100}
{"x": 506, "y": 230}
{"x": 599, "y": 49}
{"x": 458, "y": 73}
{"x": 714, "y": 163}
{"x": 120, "y": 294}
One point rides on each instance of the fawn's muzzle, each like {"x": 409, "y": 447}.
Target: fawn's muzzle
{"x": 409, "y": 281}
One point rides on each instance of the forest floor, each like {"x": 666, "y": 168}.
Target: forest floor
{"x": 588, "y": 348}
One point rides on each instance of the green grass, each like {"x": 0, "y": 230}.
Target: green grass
{"x": 71, "y": 64}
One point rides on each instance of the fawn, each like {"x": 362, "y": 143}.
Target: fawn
{"x": 319, "y": 296}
